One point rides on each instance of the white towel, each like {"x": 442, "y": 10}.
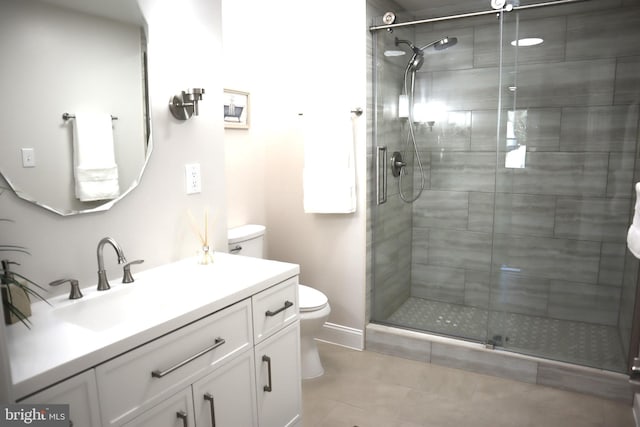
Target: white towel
{"x": 95, "y": 169}
{"x": 329, "y": 176}
{"x": 633, "y": 236}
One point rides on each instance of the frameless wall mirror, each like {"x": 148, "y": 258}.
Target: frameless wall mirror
{"x": 85, "y": 58}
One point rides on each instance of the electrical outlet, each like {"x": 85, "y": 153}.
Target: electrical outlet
{"x": 28, "y": 158}
{"x": 192, "y": 174}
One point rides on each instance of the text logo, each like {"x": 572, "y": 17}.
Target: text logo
{"x": 20, "y": 414}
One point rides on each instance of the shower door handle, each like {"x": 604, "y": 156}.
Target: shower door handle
{"x": 381, "y": 174}
{"x": 634, "y": 376}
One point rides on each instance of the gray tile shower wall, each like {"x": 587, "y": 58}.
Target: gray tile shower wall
{"x": 549, "y": 239}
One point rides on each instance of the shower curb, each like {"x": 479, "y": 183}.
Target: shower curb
{"x": 475, "y": 357}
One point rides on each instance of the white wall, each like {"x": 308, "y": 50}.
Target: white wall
{"x": 314, "y": 55}
{"x": 245, "y": 152}
{"x": 151, "y": 223}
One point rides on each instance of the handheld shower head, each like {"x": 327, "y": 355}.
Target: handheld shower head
{"x": 416, "y": 61}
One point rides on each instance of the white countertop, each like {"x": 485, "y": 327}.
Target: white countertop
{"x": 76, "y": 335}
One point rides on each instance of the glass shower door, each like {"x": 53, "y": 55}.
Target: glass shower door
{"x": 432, "y": 258}
{"x": 562, "y": 282}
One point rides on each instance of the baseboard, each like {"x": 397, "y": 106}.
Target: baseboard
{"x": 342, "y": 335}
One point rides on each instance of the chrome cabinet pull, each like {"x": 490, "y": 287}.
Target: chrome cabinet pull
{"x": 209, "y": 397}
{"x": 267, "y": 359}
{"x": 236, "y": 248}
{"x": 270, "y": 313}
{"x": 159, "y": 374}
{"x": 183, "y": 416}
{"x": 381, "y": 175}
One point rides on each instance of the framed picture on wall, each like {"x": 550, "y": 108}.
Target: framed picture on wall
{"x": 236, "y": 109}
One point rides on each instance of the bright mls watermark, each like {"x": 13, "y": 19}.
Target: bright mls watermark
{"x": 20, "y": 414}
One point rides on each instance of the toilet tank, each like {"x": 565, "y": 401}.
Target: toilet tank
{"x": 247, "y": 240}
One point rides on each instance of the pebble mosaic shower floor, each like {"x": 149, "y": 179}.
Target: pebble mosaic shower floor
{"x": 568, "y": 341}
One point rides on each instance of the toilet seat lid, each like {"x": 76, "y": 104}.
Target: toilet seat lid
{"x": 311, "y": 299}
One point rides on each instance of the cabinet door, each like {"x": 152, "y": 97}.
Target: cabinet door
{"x": 80, "y": 393}
{"x": 278, "y": 383}
{"x": 226, "y": 397}
{"x": 175, "y": 411}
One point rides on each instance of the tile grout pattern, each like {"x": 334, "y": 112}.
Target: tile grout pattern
{"x": 574, "y": 342}
{"x": 367, "y": 389}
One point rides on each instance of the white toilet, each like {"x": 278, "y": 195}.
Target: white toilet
{"x": 248, "y": 240}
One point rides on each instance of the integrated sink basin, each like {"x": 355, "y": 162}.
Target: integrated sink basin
{"x": 103, "y": 311}
{"x": 129, "y": 304}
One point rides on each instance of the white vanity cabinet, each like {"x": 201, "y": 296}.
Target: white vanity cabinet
{"x": 223, "y": 352}
{"x": 239, "y": 367}
{"x": 277, "y": 355}
{"x": 79, "y": 392}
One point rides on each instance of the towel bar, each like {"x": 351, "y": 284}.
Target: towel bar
{"x": 67, "y": 116}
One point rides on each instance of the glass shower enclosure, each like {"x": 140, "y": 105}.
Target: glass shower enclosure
{"x": 522, "y": 170}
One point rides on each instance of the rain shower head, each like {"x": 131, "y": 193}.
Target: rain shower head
{"x": 445, "y": 43}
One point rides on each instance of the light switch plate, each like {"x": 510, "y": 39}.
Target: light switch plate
{"x": 28, "y": 158}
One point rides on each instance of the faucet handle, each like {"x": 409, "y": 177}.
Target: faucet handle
{"x": 127, "y": 277}
{"x": 75, "y": 287}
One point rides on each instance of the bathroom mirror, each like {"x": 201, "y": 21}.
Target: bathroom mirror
{"x": 74, "y": 57}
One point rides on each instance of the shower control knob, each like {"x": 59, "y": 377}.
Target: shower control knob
{"x": 397, "y": 163}
{"x": 498, "y": 4}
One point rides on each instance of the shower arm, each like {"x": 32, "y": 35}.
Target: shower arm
{"x": 429, "y": 45}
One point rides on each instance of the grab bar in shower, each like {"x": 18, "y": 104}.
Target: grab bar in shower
{"x": 381, "y": 174}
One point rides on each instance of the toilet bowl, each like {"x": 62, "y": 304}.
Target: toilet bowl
{"x": 248, "y": 240}
{"x": 314, "y": 311}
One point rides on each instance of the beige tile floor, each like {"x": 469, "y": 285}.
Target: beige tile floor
{"x": 367, "y": 389}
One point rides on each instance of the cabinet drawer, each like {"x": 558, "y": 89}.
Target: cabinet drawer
{"x": 139, "y": 379}
{"x": 275, "y": 308}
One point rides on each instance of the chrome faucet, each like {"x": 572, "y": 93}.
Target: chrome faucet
{"x": 103, "y": 283}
